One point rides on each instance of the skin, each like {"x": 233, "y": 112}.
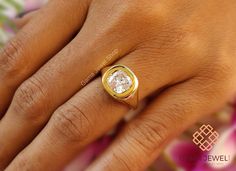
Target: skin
{"x": 184, "y": 48}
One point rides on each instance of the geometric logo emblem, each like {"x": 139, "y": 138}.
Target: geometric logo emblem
{"x": 205, "y": 138}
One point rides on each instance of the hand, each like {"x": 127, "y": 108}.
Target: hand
{"x": 183, "y": 53}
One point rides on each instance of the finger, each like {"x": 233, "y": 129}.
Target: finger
{"x": 21, "y": 21}
{"x": 36, "y": 99}
{"x": 89, "y": 114}
{"x": 42, "y": 37}
{"x": 166, "y": 117}
{"x": 83, "y": 108}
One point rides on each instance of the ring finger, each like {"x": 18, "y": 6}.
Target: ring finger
{"x": 66, "y": 73}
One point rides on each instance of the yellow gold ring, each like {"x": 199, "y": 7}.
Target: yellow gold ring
{"x": 121, "y": 83}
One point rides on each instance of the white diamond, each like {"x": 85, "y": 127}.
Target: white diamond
{"x": 119, "y": 81}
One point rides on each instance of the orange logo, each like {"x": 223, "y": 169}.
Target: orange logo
{"x": 205, "y": 137}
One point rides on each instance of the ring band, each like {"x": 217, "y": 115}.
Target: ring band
{"x": 121, "y": 83}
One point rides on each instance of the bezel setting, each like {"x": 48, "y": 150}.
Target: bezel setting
{"x": 129, "y": 76}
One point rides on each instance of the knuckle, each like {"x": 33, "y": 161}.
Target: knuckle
{"x": 133, "y": 5}
{"x": 28, "y": 99}
{"x": 71, "y": 123}
{"x": 144, "y": 10}
{"x": 168, "y": 40}
{"x": 217, "y": 79}
{"x": 224, "y": 70}
{"x": 148, "y": 134}
{"x": 175, "y": 38}
{"x": 21, "y": 164}
{"x": 11, "y": 59}
{"x": 120, "y": 157}
{"x": 147, "y": 12}
{"x": 191, "y": 44}
{"x": 11, "y": 51}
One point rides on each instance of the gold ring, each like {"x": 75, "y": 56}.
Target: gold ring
{"x": 121, "y": 83}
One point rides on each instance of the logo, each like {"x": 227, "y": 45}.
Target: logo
{"x": 205, "y": 138}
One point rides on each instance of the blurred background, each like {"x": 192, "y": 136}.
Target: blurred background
{"x": 182, "y": 154}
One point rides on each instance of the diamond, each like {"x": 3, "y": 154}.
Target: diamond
{"x": 119, "y": 81}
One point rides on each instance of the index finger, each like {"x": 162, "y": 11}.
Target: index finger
{"x": 43, "y": 36}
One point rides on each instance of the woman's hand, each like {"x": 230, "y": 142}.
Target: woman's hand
{"x": 183, "y": 53}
